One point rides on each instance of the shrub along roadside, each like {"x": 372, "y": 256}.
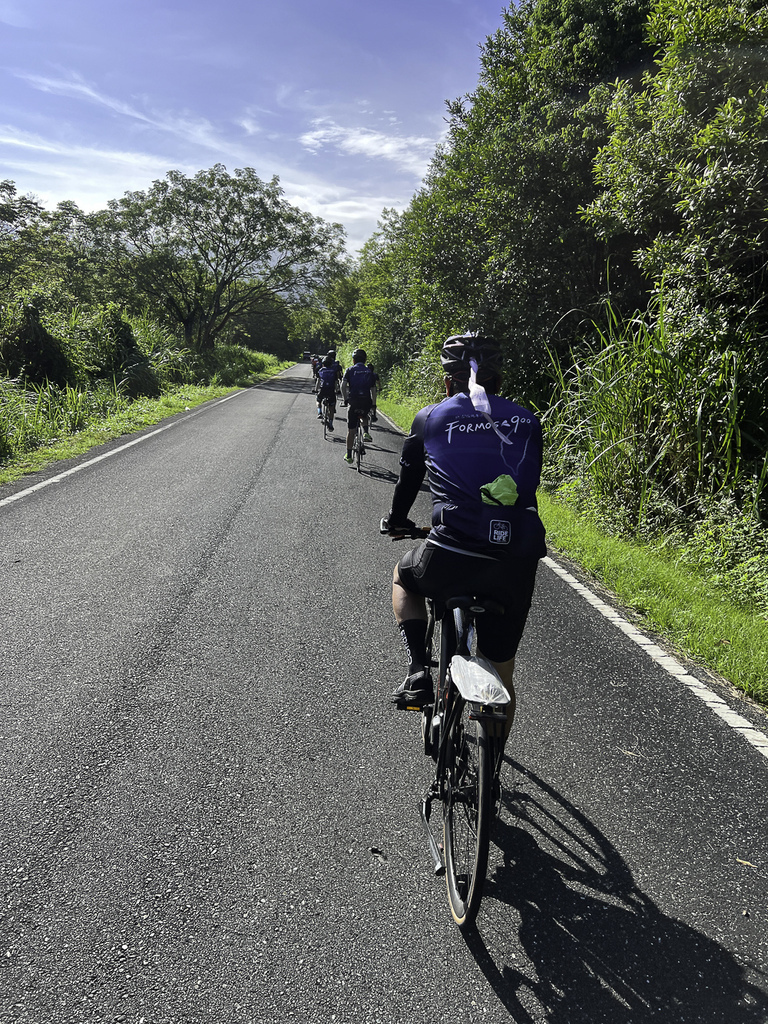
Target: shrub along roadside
{"x": 684, "y": 606}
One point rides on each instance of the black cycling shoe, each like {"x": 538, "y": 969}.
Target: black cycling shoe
{"x": 415, "y": 691}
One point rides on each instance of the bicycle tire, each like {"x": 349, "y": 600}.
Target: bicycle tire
{"x": 467, "y": 813}
{"x": 359, "y": 449}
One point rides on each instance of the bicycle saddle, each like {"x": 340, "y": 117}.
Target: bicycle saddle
{"x": 475, "y": 604}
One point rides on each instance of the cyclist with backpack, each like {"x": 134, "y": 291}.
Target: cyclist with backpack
{"x": 483, "y": 454}
{"x": 327, "y": 375}
{"x": 338, "y": 367}
{"x": 358, "y": 389}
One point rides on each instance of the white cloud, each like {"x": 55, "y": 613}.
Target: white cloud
{"x": 409, "y": 153}
{"x": 249, "y": 125}
{"x": 358, "y": 212}
{"x": 53, "y": 170}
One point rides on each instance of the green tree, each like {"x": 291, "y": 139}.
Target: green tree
{"x": 326, "y": 319}
{"x": 497, "y": 231}
{"x": 17, "y": 215}
{"x": 212, "y": 251}
{"x": 683, "y": 176}
{"x": 385, "y": 321}
{"x": 684, "y": 170}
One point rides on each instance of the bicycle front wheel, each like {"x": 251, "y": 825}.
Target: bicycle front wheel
{"x": 467, "y": 811}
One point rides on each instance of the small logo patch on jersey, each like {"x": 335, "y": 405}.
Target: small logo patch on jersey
{"x": 500, "y": 532}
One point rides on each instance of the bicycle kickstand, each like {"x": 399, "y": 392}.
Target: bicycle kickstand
{"x": 425, "y": 807}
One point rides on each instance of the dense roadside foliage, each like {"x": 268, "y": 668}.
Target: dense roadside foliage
{"x": 600, "y": 203}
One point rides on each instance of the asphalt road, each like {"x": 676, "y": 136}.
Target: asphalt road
{"x": 210, "y": 810}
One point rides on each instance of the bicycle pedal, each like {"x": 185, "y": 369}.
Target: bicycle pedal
{"x": 401, "y": 705}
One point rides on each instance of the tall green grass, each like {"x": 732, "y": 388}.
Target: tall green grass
{"x": 648, "y": 420}
{"x": 661, "y": 439}
{"x": 35, "y": 415}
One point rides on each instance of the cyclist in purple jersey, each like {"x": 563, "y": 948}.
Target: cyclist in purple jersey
{"x": 358, "y": 389}
{"x": 483, "y": 456}
{"x": 327, "y": 375}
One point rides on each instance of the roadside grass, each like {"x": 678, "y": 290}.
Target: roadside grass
{"x": 401, "y": 413}
{"x": 686, "y": 609}
{"x": 139, "y": 414}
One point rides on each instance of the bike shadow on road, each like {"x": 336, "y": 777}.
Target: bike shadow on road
{"x": 600, "y": 950}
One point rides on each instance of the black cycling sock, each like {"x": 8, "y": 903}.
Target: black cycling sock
{"x": 414, "y": 634}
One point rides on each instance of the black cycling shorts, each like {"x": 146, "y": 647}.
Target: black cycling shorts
{"x": 438, "y": 573}
{"x": 358, "y": 407}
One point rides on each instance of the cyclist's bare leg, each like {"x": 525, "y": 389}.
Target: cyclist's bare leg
{"x": 405, "y": 604}
{"x": 411, "y": 616}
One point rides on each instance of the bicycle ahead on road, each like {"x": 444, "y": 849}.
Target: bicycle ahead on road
{"x": 463, "y": 732}
{"x": 328, "y": 410}
{"x": 358, "y": 445}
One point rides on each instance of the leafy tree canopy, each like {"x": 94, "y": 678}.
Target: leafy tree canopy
{"x": 215, "y": 248}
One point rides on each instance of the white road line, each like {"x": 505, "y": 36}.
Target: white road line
{"x": 92, "y": 462}
{"x": 736, "y": 721}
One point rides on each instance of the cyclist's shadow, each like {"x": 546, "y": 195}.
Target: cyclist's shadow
{"x": 601, "y": 951}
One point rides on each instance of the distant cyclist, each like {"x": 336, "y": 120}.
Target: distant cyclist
{"x": 315, "y": 365}
{"x": 483, "y": 454}
{"x": 327, "y": 375}
{"x": 339, "y": 368}
{"x": 358, "y": 389}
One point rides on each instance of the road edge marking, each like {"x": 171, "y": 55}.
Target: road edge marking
{"x": 671, "y": 665}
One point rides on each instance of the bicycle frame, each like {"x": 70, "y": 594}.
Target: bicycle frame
{"x": 464, "y": 732}
{"x": 463, "y": 680}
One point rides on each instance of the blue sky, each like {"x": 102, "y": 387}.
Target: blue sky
{"x": 344, "y": 100}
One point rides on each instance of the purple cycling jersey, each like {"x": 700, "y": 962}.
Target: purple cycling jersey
{"x": 483, "y": 475}
{"x": 359, "y": 379}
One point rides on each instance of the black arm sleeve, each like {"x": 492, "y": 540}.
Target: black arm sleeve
{"x": 413, "y": 466}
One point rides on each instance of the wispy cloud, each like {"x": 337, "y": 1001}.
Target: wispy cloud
{"x": 193, "y": 129}
{"x": 53, "y": 169}
{"x": 11, "y": 13}
{"x": 409, "y": 153}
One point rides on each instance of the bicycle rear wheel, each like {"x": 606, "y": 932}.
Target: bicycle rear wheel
{"x": 359, "y": 448}
{"x": 467, "y": 813}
